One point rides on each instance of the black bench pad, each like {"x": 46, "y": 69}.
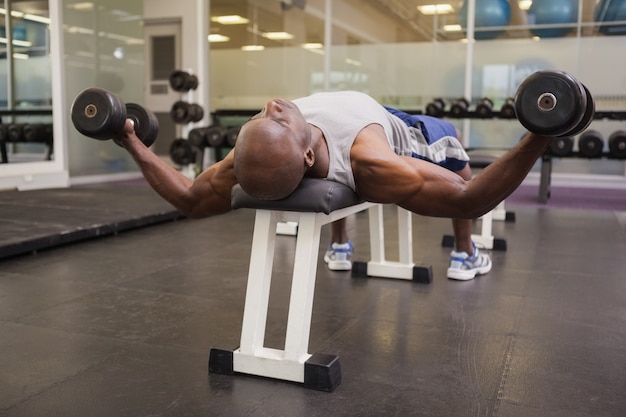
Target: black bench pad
{"x": 312, "y": 195}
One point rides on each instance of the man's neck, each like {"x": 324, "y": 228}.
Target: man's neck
{"x": 320, "y": 148}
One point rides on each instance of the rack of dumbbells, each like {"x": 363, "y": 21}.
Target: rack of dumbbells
{"x": 591, "y": 144}
{"x": 185, "y": 112}
{"x": 220, "y": 135}
{"x": 14, "y": 133}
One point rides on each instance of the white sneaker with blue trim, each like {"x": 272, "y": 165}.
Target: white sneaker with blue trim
{"x": 339, "y": 256}
{"x": 464, "y": 267}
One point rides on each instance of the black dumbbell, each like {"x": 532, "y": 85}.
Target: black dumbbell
{"x": 231, "y": 135}
{"x": 484, "y": 107}
{"x": 181, "y": 152}
{"x": 459, "y": 107}
{"x": 4, "y": 133}
{"x": 591, "y": 144}
{"x": 554, "y": 103}
{"x": 507, "y": 111}
{"x": 436, "y": 108}
{"x": 100, "y": 114}
{"x": 183, "y": 81}
{"x": 617, "y": 144}
{"x": 183, "y": 112}
{"x": 38, "y": 133}
{"x": 197, "y": 138}
{"x": 562, "y": 146}
{"x": 216, "y": 136}
{"x": 15, "y": 132}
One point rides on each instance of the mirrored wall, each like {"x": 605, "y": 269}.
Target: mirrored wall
{"x": 26, "y": 133}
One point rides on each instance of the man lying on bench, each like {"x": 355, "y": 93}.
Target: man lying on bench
{"x": 350, "y": 138}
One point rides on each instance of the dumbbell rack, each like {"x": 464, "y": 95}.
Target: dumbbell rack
{"x": 188, "y": 96}
{"x": 4, "y": 159}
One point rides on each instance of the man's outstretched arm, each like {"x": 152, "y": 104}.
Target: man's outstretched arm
{"x": 207, "y": 195}
{"x": 427, "y": 189}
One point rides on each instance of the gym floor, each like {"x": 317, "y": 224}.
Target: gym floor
{"x": 121, "y": 325}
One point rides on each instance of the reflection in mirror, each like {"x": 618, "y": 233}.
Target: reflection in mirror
{"x": 25, "y": 82}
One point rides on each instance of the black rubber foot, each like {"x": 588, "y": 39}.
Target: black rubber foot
{"x": 509, "y": 217}
{"x": 322, "y": 372}
{"x": 447, "y": 241}
{"x": 423, "y": 274}
{"x": 359, "y": 269}
{"x": 499, "y": 244}
{"x": 221, "y": 361}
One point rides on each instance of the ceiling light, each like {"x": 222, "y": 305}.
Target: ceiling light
{"x": 233, "y": 19}
{"x": 216, "y": 37}
{"x": 84, "y": 6}
{"x": 18, "y": 42}
{"x": 525, "y": 4}
{"x": 313, "y": 45}
{"x": 252, "y": 48}
{"x": 36, "y": 18}
{"x": 452, "y": 28}
{"x": 277, "y": 35}
{"x": 430, "y": 9}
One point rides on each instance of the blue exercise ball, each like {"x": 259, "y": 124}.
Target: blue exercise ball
{"x": 545, "y": 12}
{"x": 611, "y": 11}
{"x": 488, "y": 13}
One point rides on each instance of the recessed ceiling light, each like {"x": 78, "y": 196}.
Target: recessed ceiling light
{"x": 277, "y": 35}
{"x": 232, "y": 19}
{"x": 429, "y": 9}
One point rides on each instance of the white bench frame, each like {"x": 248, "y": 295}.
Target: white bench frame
{"x": 252, "y": 357}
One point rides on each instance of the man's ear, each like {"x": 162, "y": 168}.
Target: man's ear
{"x": 309, "y": 158}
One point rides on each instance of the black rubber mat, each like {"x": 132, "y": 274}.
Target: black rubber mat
{"x": 34, "y": 220}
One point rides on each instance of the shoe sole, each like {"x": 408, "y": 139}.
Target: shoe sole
{"x": 463, "y": 275}
{"x": 340, "y": 265}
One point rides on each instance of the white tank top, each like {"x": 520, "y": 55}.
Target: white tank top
{"x": 341, "y": 116}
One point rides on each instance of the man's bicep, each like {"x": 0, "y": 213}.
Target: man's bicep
{"x": 211, "y": 190}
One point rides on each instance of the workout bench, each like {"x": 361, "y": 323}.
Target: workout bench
{"x": 314, "y": 204}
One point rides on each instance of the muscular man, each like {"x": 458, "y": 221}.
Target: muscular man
{"x": 346, "y": 137}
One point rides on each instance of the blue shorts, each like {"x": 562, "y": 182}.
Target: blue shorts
{"x": 433, "y": 129}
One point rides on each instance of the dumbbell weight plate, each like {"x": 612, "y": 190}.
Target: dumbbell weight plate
{"x": 216, "y": 136}
{"x": 550, "y": 103}
{"x": 145, "y": 122}
{"x": 590, "y": 110}
{"x": 182, "y": 81}
{"x": 196, "y": 113}
{"x": 459, "y": 108}
{"x": 562, "y": 146}
{"x": 231, "y": 135}
{"x": 435, "y": 108}
{"x": 181, "y": 152}
{"x": 590, "y": 144}
{"x": 180, "y": 112}
{"x": 197, "y": 137}
{"x": 98, "y": 113}
{"x": 617, "y": 144}
{"x": 508, "y": 109}
{"x": 484, "y": 108}
{"x": 15, "y": 132}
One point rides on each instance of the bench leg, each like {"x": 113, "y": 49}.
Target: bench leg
{"x": 294, "y": 363}
{"x": 379, "y": 266}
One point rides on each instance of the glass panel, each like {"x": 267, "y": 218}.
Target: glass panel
{"x": 104, "y": 48}
{"x": 405, "y": 57}
{"x": 25, "y": 82}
